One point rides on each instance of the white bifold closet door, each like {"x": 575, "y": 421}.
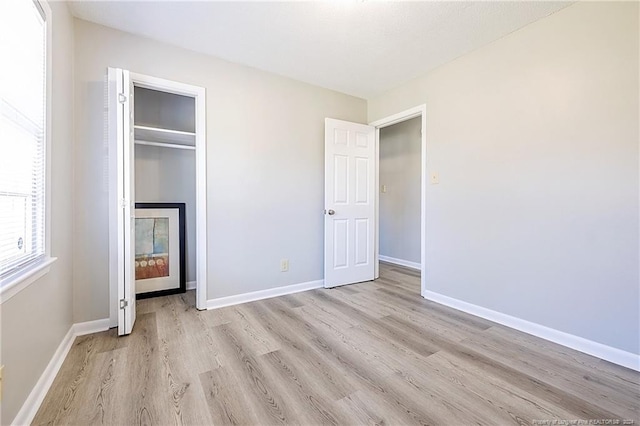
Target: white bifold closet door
{"x": 122, "y": 194}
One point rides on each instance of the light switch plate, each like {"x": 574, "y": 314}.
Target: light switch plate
{"x": 384, "y": 188}
{"x": 435, "y": 178}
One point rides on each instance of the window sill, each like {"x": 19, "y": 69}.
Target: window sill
{"x": 13, "y": 285}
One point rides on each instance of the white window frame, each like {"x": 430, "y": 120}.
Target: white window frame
{"x": 28, "y": 274}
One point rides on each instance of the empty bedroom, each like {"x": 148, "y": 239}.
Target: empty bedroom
{"x": 327, "y": 212}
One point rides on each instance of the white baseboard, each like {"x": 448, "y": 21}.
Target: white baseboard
{"x": 599, "y": 350}
{"x": 34, "y": 400}
{"x": 263, "y": 294}
{"x": 82, "y": 328}
{"x": 32, "y": 403}
{"x": 401, "y": 262}
{"x": 191, "y": 285}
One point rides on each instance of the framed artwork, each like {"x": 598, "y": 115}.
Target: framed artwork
{"x": 160, "y": 249}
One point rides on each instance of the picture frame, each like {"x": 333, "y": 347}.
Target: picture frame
{"x": 159, "y": 249}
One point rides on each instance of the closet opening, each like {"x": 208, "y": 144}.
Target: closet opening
{"x": 158, "y": 192}
{"x": 165, "y": 192}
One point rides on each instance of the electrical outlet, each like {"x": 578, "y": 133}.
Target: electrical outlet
{"x": 284, "y": 265}
{"x": 1, "y": 379}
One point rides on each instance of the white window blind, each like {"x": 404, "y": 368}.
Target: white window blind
{"x": 22, "y": 135}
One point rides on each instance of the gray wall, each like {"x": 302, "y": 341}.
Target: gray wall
{"x": 265, "y": 156}
{"x": 35, "y": 320}
{"x": 535, "y": 138}
{"x": 400, "y": 168}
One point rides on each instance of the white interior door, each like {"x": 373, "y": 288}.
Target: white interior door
{"x": 349, "y": 225}
{"x": 122, "y": 196}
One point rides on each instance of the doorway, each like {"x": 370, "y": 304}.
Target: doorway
{"x": 352, "y": 199}
{"x": 399, "y": 193}
{"x": 404, "y": 117}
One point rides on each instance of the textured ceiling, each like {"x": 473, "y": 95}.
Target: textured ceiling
{"x": 362, "y": 48}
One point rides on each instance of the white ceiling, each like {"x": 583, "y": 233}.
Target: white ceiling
{"x": 362, "y": 48}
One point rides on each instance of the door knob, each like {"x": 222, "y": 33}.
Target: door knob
{"x": 331, "y": 212}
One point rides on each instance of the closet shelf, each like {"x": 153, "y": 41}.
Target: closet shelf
{"x": 159, "y": 135}
{"x": 164, "y": 144}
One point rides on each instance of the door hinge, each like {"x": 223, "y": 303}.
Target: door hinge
{"x": 123, "y": 203}
{"x": 122, "y": 98}
{"x": 124, "y": 303}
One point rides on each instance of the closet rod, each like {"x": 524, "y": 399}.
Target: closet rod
{"x": 164, "y": 145}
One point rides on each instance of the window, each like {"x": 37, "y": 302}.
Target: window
{"x": 23, "y": 41}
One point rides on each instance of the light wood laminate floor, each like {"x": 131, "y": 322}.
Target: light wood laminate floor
{"x": 370, "y": 353}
